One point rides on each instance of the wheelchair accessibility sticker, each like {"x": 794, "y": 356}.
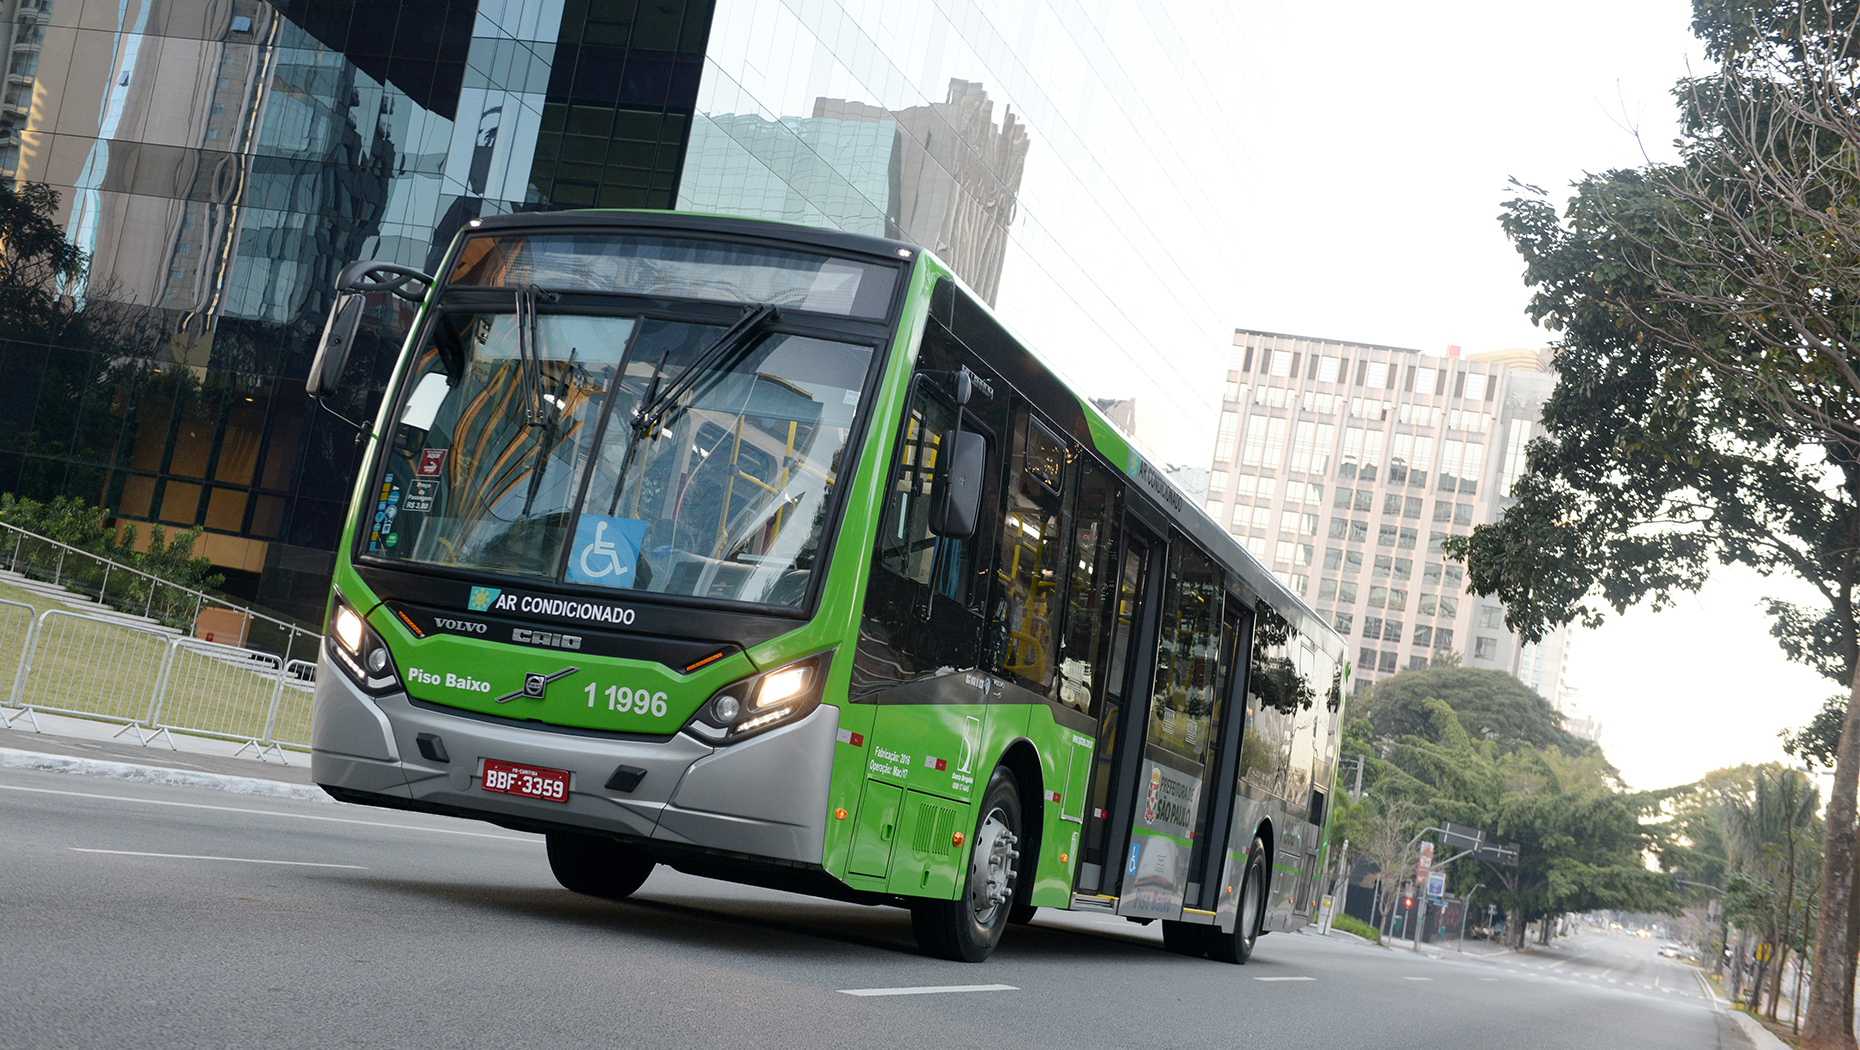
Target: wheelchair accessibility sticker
{"x": 605, "y": 550}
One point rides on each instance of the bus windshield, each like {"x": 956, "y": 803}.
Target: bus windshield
{"x": 516, "y": 452}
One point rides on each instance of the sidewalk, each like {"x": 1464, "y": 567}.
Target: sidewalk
{"x": 1472, "y": 948}
{"x": 1451, "y": 949}
{"x": 79, "y": 745}
{"x": 1761, "y": 1038}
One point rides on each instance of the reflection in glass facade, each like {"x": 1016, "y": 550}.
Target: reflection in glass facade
{"x": 220, "y": 160}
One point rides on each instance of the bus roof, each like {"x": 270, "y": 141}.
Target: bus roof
{"x": 1180, "y": 506}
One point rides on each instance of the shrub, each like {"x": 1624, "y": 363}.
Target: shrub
{"x": 1352, "y": 924}
{"x": 75, "y": 523}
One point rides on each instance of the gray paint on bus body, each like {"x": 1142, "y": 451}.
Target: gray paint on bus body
{"x": 692, "y": 794}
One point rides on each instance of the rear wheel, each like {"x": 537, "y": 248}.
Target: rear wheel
{"x": 1188, "y": 938}
{"x": 968, "y": 928}
{"x": 1237, "y": 947}
{"x": 598, "y": 867}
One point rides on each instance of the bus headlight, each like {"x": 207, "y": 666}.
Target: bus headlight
{"x": 762, "y": 702}
{"x": 358, "y": 650}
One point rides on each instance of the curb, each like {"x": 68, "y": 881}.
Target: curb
{"x": 1759, "y": 1036}
{"x": 11, "y": 759}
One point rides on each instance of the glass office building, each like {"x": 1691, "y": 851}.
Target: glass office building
{"x": 220, "y": 160}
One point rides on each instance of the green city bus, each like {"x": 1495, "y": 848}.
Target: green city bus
{"x": 766, "y": 553}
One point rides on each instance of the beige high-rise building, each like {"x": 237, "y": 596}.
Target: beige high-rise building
{"x": 1344, "y": 466}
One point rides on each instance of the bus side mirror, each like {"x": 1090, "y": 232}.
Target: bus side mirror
{"x": 332, "y": 351}
{"x": 956, "y": 495}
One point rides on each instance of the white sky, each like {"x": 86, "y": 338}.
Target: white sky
{"x": 1376, "y": 172}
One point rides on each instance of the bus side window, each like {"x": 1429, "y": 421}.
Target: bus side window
{"x": 1187, "y": 654}
{"x": 1090, "y": 588}
{"x": 908, "y": 547}
{"x": 1029, "y": 568}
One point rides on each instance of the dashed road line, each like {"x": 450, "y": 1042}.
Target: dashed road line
{"x": 934, "y": 989}
{"x": 263, "y": 812}
{"x": 235, "y": 860}
{"x": 1285, "y": 978}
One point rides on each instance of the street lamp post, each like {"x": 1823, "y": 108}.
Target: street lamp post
{"x": 1466, "y": 906}
{"x": 1724, "y": 923}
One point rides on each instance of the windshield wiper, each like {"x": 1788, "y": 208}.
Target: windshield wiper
{"x": 655, "y": 403}
{"x": 528, "y": 354}
{"x": 736, "y": 339}
{"x": 540, "y": 462}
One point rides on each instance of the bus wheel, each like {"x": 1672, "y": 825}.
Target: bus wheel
{"x": 1187, "y": 938}
{"x": 968, "y": 928}
{"x": 598, "y": 867}
{"x": 1237, "y": 947}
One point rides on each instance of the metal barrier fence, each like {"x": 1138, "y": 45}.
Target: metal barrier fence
{"x": 155, "y": 681}
{"x": 138, "y": 593}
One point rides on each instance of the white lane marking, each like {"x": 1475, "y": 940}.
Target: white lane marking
{"x": 236, "y": 860}
{"x": 934, "y": 989}
{"x": 1554, "y": 965}
{"x": 1417, "y": 978}
{"x": 264, "y": 813}
{"x": 1285, "y": 978}
{"x": 1488, "y": 978}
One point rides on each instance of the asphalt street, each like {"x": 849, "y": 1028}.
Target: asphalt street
{"x": 150, "y": 915}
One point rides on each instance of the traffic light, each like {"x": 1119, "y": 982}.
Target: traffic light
{"x": 1407, "y": 902}
{"x": 1679, "y": 882}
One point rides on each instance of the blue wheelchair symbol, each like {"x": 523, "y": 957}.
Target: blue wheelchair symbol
{"x": 605, "y": 550}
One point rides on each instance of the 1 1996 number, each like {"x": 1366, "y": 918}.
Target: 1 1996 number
{"x": 624, "y": 700}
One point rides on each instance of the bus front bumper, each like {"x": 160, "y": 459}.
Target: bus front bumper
{"x": 764, "y": 797}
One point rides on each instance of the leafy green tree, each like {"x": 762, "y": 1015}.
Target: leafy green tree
{"x": 1771, "y": 831}
{"x": 1581, "y": 839}
{"x": 1708, "y": 407}
{"x": 75, "y": 523}
{"x": 1820, "y": 740}
{"x": 1490, "y": 704}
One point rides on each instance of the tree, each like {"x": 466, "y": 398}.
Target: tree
{"x": 1378, "y": 831}
{"x": 1820, "y": 740}
{"x": 1706, "y": 406}
{"x": 1769, "y": 831}
{"x": 1581, "y": 839}
{"x": 1490, "y": 704}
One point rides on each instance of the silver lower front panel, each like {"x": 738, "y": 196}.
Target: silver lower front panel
{"x": 765, "y": 797}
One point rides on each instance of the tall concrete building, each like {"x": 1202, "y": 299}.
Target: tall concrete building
{"x": 1344, "y": 466}
{"x": 221, "y": 160}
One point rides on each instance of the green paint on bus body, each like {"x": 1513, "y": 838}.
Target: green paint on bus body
{"x": 902, "y": 809}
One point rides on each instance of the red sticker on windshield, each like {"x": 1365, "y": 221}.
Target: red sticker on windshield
{"x": 431, "y": 459}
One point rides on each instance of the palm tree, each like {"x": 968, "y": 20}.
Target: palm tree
{"x": 1769, "y": 836}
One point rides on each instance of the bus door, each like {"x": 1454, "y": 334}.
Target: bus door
{"x": 1184, "y": 711}
{"x": 1213, "y": 822}
{"x": 1127, "y": 661}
